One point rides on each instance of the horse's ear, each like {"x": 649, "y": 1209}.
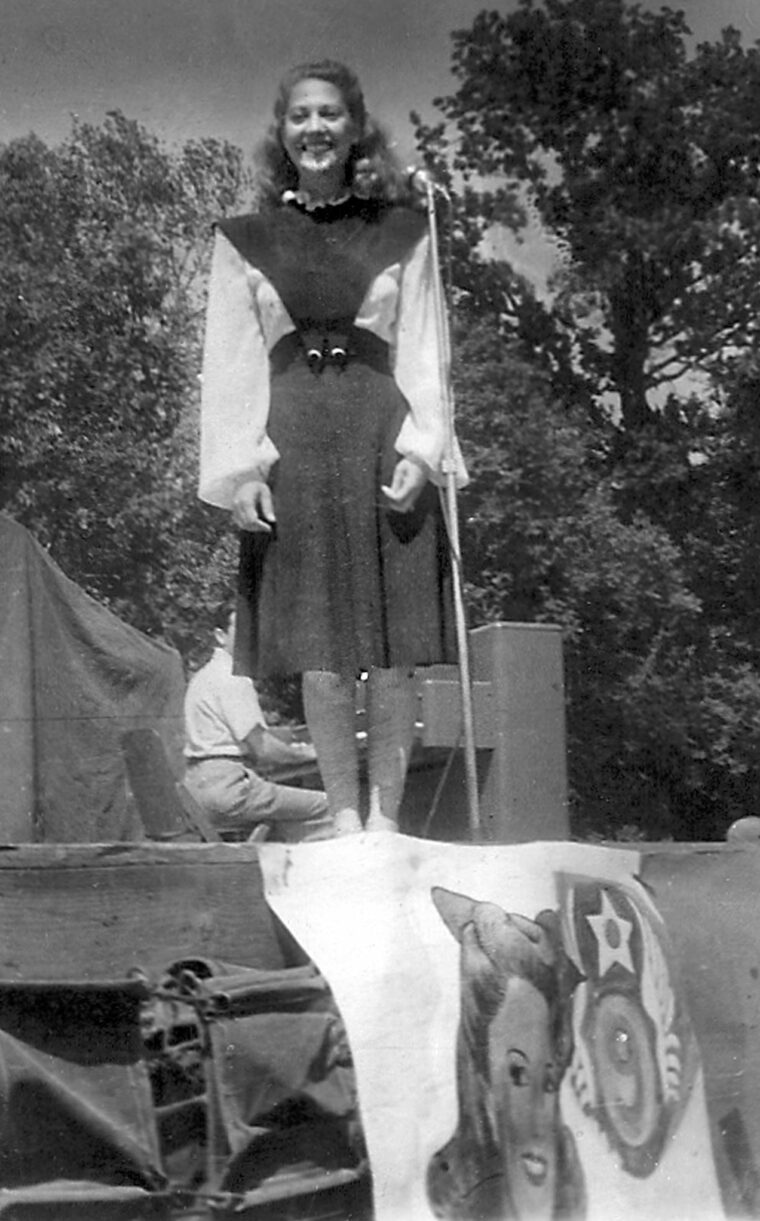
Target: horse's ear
{"x": 456, "y": 911}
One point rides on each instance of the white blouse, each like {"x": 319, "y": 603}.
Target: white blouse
{"x": 246, "y": 318}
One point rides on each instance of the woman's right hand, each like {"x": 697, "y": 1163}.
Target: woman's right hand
{"x": 253, "y": 506}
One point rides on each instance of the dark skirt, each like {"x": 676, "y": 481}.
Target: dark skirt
{"x": 343, "y": 583}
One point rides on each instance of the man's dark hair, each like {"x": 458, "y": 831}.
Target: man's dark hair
{"x": 222, "y": 614}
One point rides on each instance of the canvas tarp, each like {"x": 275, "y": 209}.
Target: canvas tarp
{"x": 74, "y": 678}
{"x": 215, "y": 1082}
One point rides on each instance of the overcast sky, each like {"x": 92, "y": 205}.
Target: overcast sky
{"x": 191, "y": 68}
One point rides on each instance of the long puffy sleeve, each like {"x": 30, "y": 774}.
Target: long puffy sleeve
{"x": 234, "y": 383}
{"x": 421, "y": 361}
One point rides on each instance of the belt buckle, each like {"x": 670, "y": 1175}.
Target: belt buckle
{"x": 315, "y": 359}
{"x": 338, "y": 356}
{"x": 326, "y": 348}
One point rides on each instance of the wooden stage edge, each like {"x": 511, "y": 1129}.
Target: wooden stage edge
{"x": 141, "y": 852}
{"x": 102, "y": 911}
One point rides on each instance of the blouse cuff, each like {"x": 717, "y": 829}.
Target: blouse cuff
{"x": 220, "y": 489}
{"x": 428, "y": 451}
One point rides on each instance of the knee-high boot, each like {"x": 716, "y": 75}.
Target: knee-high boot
{"x": 330, "y": 706}
{"x": 391, "y": 715}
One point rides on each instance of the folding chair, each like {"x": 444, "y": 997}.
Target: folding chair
{"x": 167, "y": 808}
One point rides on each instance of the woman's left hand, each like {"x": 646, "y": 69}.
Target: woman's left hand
{"x": 409, "y": 478}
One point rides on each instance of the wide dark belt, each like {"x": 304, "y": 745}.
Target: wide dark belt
{"x": 330, "y": 348}
{"x": 218, "y": 759}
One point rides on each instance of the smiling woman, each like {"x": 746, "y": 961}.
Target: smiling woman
{"x": 323, "y": 432}
{"x": 318, "y": 134}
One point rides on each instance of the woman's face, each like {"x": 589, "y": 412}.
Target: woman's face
{"x": 317, "y": 130}
{"x": 524, "y": 1098}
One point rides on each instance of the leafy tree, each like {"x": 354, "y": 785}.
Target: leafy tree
{"x": 621, "y": 504}
{"x": 642, "y": 163}
{"x": 663, "y": 708}
{"x": 103, "y": 247}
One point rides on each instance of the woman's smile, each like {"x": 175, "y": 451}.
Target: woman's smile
{"x": 317, "y": 131}
{"x": 536, "y": 1167}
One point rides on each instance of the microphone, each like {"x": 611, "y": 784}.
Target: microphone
{"x": 420, "y": 180}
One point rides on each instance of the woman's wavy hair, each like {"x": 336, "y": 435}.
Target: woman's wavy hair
{"x": 466, "y": 1177}
{"x": 372, "y": 171}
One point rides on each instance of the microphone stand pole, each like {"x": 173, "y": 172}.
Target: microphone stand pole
{"x": 452, "y": 524}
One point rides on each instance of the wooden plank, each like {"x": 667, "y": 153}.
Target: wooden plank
{"x": 99, "y": 911}
{"x": 111, "y": 855}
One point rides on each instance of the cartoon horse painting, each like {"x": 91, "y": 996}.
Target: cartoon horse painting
{"x": 510, "y": 1156}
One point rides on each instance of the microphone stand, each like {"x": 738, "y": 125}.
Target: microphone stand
{"x": 452, "y": 523}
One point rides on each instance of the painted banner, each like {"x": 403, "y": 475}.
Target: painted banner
{"x": 547, "y": 1030}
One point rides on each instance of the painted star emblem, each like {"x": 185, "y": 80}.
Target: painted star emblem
{"x": 613, "y": 935}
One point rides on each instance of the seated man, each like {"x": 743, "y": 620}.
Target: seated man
{"x": 227, "y": 736}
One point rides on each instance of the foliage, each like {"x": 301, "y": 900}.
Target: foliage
{"x": 663, "y": 704}
{"x": 618, "y": 497}
{"x": 641, "y": 163}
{"x": 103, "y": 245}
